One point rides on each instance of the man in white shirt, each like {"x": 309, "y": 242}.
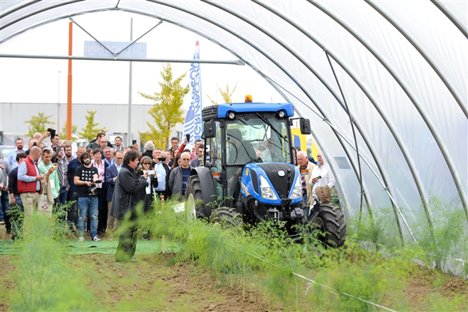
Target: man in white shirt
{"x": 322, "y": 176}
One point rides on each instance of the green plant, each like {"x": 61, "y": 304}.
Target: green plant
{"x": 38, "y": 123}
{"x": 42, "y": 279}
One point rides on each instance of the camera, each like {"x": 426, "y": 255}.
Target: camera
{"x": 52, "y": 132}
{"x": 139, "y": 170}
{"x": 94, "y": 190}
{"x": 162, "y": 158}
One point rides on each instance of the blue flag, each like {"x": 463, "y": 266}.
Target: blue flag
{"x": 193, "y": 120}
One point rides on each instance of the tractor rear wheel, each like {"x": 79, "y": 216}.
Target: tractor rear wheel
{"x": 330, "y": 221}
{"x": 194, "y": 204}
{"x": 227, "y": 217}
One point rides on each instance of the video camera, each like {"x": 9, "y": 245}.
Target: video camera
{"x": 94, "y": 190}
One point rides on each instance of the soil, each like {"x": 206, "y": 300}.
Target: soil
{"x": 158, "y": 283}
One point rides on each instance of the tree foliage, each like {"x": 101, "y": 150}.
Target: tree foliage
{"x": 64, "y": 131}
{"x": 166, "y": 110}
{"x": 38, "y": 123}
{"x": 91, "y": 129}
{"x": 226, "y": 94}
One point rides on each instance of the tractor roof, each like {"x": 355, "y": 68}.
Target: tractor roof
{"x": 221, "y": 110}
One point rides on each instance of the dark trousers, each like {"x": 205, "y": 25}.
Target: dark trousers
{"x": 16, "y": 225}
{"x": 161, "y": 193}
{"x": 127, "y": 240}
{"x": 73, "y": 210}
{"x": 102, "y": 208}
{"x": 5, "y": 206}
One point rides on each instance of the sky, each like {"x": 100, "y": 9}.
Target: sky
{"x": 106, "y": 82}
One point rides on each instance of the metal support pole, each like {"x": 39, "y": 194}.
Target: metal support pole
{"x": 129, "y": 132}
{"x": 69, "y": 96}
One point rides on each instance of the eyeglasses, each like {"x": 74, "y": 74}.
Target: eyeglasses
{"x": 119, "y": 158}
{"x": 185, "y": 158}
{"x": 146, "y": 164}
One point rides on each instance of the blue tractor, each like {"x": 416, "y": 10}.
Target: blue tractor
{"x": 249, "y": 174}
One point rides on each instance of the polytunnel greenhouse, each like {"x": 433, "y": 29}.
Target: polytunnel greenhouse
{"x": 384, "y": 84}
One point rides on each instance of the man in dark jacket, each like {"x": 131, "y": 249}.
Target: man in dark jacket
{"x": 179, "y": 177}
{"x": 111, "y": 177}
{"x": 124, "y": 201}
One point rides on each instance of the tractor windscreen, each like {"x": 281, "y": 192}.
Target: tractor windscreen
{"x": 257, "y": 139}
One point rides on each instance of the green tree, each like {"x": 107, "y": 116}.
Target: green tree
{"x": 91, "y": 130}
{"x": 38, "y": 123}
{"x": 64, "y": 131}
{"x": 226, "y": 94}
{"x": 166, "y": 110}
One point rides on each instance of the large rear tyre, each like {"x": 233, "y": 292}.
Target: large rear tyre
{"x": 226, "y": 217}
{"x": 194, "y": 205}
{"x": 331, "y": 223}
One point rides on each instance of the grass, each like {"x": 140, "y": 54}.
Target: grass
{"x": 374, "y": 267}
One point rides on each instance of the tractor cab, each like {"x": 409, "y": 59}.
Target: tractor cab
{"x": 250, "y": 156}
{"x": 249, "y": 174}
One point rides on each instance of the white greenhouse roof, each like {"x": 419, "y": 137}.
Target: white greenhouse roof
{"x": 401, "y": 82}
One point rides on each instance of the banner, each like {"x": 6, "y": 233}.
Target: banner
{"x": 193, "y": 121}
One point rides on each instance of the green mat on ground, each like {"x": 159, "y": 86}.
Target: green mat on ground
{"x": 104, "y": 246}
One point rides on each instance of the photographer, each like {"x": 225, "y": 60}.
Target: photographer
{"x": 86, "y": 177}
{"x": 126, "y": 196}
{"x": 162, "y": 174}
{"x": 146, "y": 194}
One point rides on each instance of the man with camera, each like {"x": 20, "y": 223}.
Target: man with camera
{"x": 86, "y": 178}
{"x": 162, "y": 173}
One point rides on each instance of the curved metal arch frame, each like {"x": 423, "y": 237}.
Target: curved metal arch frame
{"x": 405, "y": 89}
{"x": 367, "y": 93}
{"x": 269, "y": 58}
{"x": 152, "y": 15}
{"x": 421, "y": 51}
{"x": 451, "y": 17}
{"x": 390, "y": 195}
{"x": 18, "y": 7}
{"x": 351, "y": 116}
{"x": 39, "y": 11}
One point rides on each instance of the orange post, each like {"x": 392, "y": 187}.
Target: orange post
{"x": 69, "y": 96}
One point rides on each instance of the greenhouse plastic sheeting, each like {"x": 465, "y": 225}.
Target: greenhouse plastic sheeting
{"x": 401, "y": 67}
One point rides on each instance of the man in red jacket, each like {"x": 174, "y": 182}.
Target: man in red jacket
{"x": 29, "y": 183}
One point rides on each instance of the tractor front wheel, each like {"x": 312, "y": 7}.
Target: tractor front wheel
{"x": 331, "y": 223}
{"x": 226, "y": 217}
{"x": 194, "y": 205}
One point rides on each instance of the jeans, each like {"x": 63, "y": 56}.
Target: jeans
{"x": 63, "y": 196}
{"x": 73, "y": 210}
{"x": 2, "y": 215}
{"x": 4, "y": 208}
{"x": 88, "y": 204}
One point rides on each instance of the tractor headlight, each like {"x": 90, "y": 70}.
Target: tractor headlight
{"x": 297, "y": 191}
{"x": 265, "y": 189}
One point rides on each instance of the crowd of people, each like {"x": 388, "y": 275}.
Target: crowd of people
{"x": 95, "y": 193}
{"x": 84, "y": 184}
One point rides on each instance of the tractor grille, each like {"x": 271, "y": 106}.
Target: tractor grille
{"x": 279, "y": 183}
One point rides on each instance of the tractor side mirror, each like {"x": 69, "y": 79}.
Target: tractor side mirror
{"x": 209, "y": 129}
{"x": 305, "y": 126}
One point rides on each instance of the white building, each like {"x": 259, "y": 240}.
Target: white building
{"x": 114, "y": 117}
